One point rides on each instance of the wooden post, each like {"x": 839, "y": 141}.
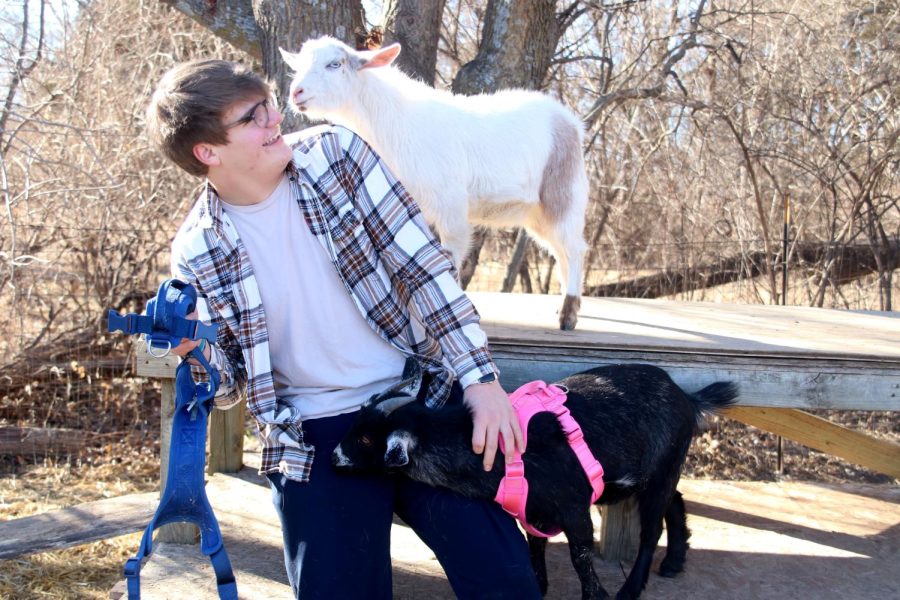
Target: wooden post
{"x": 164, "y": 369}
{"x": 225, "y": 436}
{"x": 226, "y": 440}
{"x": 176, "y": 533}
{"x": 620, "y": 531}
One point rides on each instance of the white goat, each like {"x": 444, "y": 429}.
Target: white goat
{"x": 509, "y": 158}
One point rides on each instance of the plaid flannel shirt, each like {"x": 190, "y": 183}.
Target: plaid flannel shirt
{"x": 398, "y": 275}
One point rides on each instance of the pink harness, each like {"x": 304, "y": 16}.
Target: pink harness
{"x": 528, "y": 400}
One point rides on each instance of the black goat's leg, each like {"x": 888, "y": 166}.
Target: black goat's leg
{"x": 651, "y": 508}
{"x": 579, "y": 529}
{"x": 677, "y": 533}
{"x": 537, "y": 547}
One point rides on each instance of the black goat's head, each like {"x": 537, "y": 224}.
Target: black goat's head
{"x": 380, "y": 439}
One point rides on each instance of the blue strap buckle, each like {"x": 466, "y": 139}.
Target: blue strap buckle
{"x": 164, "y": 322}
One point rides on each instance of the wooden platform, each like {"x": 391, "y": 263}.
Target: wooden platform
{"x": 788, "y": 357}
{"x": 750, "y": 541}
{"x": 783, "y": 358}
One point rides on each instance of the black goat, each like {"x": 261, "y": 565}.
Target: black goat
{"x": 637, "y": 422}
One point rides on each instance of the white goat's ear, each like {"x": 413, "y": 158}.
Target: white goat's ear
{"x": 399, "y": 444}
{"x": 290, "y": 58}
{"x": 380, "y": 58}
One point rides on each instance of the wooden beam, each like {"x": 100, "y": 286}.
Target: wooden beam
{"x": 762, "y": 381}
{"x": 879, "y": 455}
{"x": 151, "y": 366}
{"x": 76, "y": 525}
{"x": 26, "y": 441}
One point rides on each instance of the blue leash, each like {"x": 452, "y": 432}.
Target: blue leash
{"x": 184, "y": 499}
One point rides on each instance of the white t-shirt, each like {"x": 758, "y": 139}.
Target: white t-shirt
{"x": 326, "y": 359}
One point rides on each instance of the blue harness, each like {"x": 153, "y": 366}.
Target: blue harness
{"x": 184, "y": 500}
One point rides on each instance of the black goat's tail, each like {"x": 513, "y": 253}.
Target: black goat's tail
{"x": 715, "y": 397}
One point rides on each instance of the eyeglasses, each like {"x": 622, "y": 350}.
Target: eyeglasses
{"x": 258, "y": 114}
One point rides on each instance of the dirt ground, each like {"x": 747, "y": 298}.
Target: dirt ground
{"x": 751, "y": 540}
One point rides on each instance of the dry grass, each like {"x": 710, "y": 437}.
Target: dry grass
{"x": 30, "y": 487}
{"x": 85, "y": 572}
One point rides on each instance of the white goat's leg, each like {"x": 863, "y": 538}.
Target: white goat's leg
{"x": 572, "y": 281}
{"x": 456, "y": 236}
{"x": 559, "y": 218}
{"x": 565, "y": 240}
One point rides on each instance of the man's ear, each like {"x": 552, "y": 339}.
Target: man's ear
{"x": 206, "y": 154}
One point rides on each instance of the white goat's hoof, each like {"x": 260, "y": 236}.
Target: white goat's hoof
{"x": 568, "y": 316}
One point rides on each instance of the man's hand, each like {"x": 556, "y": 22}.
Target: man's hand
{"x": 492, "y": 414}
{"x": 186, "y": 345}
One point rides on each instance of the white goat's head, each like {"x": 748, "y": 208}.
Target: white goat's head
{"x": 325, "y": 72}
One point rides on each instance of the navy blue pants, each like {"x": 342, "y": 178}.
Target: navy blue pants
{"x": 337, "y": 526}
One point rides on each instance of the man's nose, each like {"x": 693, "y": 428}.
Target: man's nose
{"x": 275, "y": 117}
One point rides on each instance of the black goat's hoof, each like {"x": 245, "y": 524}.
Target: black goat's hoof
{"x": 670, "y": 567}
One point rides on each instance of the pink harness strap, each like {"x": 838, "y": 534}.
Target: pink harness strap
{"x": 528, "y": 400}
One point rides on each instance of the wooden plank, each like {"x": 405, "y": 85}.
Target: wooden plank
{"x": 26, "y": 441}
{"x": 813, "y": 431}
{"x": 777, "y": 381}
{"x": 751, "y": 549}
{"x": 150, "y": 366}
{"x": 699, "y": 327}
{"x": 76, "y": 525}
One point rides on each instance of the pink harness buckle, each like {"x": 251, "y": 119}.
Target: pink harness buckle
{"x": 528, "y": 400}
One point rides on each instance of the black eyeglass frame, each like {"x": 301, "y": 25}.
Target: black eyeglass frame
{"x": 251, "y": 116}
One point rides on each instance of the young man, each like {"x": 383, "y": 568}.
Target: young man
{"x": 323, "y": 277}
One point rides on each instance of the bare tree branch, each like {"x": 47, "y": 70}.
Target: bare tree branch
{"x": 231, "y": 20}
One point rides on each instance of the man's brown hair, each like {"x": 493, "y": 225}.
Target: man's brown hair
{"x": 189, "y": 103}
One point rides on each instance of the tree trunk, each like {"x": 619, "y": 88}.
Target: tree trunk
{"x": 231, "y": 20}
{"x": 416, "y": 24}
{"x": 31, "y": 441}
{"x": 515, "y": 263}
{"x": 517, "y": 44}
{"x": 467, "y": 269}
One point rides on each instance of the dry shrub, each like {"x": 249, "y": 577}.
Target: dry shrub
{"x": 91, "y": 213}
{"x": 93, "y": 209}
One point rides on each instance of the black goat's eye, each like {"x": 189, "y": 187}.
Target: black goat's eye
{"x": 365, "y": 441}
